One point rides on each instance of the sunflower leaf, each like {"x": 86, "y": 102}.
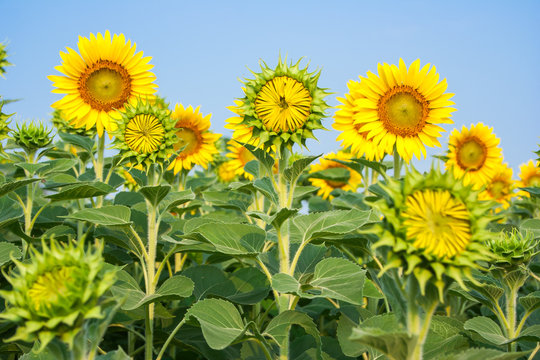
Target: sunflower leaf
{"x": 83, "y": 142}
{"x": 7, "y": 252}
{"x": 293, "y": 172}
{"x": 81, "y": 191}
{"x": 231, "y": 239}
{"x": 486, "y": 328}
{"x": 154, "y": 194}
{"x": 110, "y": 215}
{"x": 8, "y": 187}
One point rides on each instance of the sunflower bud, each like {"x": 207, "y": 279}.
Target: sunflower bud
{"x": 32, "y": 137}
{"x": 4, "y": 123}
{"x": 3, "y": 61}
{"x": 55, "y": 292}
{"x": 513, "y": 249}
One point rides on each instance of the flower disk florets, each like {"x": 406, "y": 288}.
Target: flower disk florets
{"x": 433, "y": 226}
{"x": 282, "y": 106}
{"x": 55, "y": 292}
{"x": 145, "y": 134}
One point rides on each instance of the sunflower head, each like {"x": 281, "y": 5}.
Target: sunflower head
{"x": 513, "y": 249}
{"x": 226, "y": 172}
{"x": 345, "y": 178}
{"x": 282, "y": 106}
{"x": 3, "y": 59}
{"x": 239, "y": 157}
{"x": 56, "y": 291}
{"x": 473, "y": 154}
{"x": 500, "y": 187}
{"x": 32, "y": 136}
{"x": 64, "y": 125}
{"x": 529, "y": 176}
{"x": 106, "y": 76}
{"x": 399, "y": 109}
{"x": 434, "y": 227}
{"x": 144, "y": 134}
{"x": 196, "y": 143}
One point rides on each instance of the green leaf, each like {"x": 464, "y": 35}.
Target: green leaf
{"x": 275, "y": 219}
{"x": 484, "y": 354}
{"x": 175, "y": 287}
{"x": 264, "y": 157}
{"x": 344, "y": 331}
{"x": 83, "y": 142}
{"x": 375, "y": 165}
{"x": 278, "y": 328}
{"x": 7, "y": 252}
{"x": 532, "y": 226}
{"x": 486, "y": 328}
{"x": 110, "y": 215}
{"x": 56, "y": 166}
{"x": 232, "y": 239}
{"x": 531, "y": 333}
{"x": 301, "y": 191}
{"x": 10, "y": 211}
{"x": 339, "y": 279}
{"x": 337, "y": 174}
{"x": 530, "y": 301}
{"x": 371, "y": 291}
{"x": 175, "y": 199}
{"x": 81, "y": 191}
{"x": 444, "y": 337}
{"x": 228, "y": 199}
{"x": 31, "y": 168}
{"x": 266, "y": 188}
{"x": 220, "y": 321}
{"x": 285, "y": 283}
{"x": 393, "y": 344}
{"x": 154, "y": 194}
{"x": 8, "y": 187}
{"x": 60, "y": 232}
{"x": 293, "y": 172}
{"x": 114, "y": 355}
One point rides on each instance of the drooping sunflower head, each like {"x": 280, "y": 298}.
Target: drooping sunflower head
{"x": 473, "y": 154}
{"x": 145, "y": 134}
{"x": 55, "y": 292}
{"x": 529, "y": 176}
{"x": 398, "y": 108}
{"x": 434, "y": 227}
{"x": 32, "y": 136}
{"x": 62, "y": 124}
{"x": 500, "y": 187}
{"x": 282, "y": 106}
{"x": 195, "y": 140}
{"x": 339, "y": 176}
{"x": 103, "y": 78}
{"x": 513, "y": 249}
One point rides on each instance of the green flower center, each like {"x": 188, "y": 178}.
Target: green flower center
{"x": 189, "y": 140}
{"x": 471, "y": 154}
{"x": 403, "y": 111}
{"x": 46, "y": 290}
{"x": 105, "y": 85}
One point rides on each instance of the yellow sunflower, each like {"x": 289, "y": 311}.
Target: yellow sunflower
{"x": 198, "y": 143}
{"x": 226, "y": 172}
{"x": 102, "y": 79}
{"x": 239, "y": 156}
{"x": 500, "y": 187}
{"x": 399, "y": 108}
{"x": 282, "y": 106}
{"x": 327, "y": 186}
{"x": 473, "y": 154}
{"x": 529, "y": 176}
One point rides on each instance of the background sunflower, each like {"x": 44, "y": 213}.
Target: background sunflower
{"x": 327, "y": 186}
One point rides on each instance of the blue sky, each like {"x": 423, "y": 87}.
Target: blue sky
{"x": 487, "y": 50}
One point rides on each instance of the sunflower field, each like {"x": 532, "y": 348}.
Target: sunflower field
{"x": 131, "y": 230}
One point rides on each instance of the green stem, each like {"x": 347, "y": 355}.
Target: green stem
{"x": 263, "y": 347}
{"x": 511, "y": 315}
{"x": 98, "y": 168}
{"x": 422, "y": 335}
{"x": 397, "y": 164}
{"x": 169, "y": 339}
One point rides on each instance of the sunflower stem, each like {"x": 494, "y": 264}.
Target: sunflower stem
{"x": 99, "y": 165}
{"x": 397, "y": 164}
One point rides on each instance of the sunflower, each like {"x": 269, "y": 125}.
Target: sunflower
{"x": 473, "y": 154}
{"x": 500, "y": 187}
{"x": 226, "y": 171}
{"x": 239, "y": 156}
{"x": 282, "y": 106}
{"x": 144, "y": 133}
{"x": 327, "y": 186}
{"x": 398, "y": 108}
{"x": 529, "y": 174}
{"x": 105, "y": 77}
{"x": 198, "y": 144}
{"x": 433, "y": 226}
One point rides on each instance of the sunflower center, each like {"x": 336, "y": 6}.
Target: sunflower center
{"x": 498, "y": 189}
{"x": 46, "y": 290}
{"x": 403, "y": 111}
{"x": 188, "y": 139}
{"x": 105, "y": 85}
{"x": 283, "y": 104}
{"x": 437, "y": 223}
{"x": 471, "y": 154}
{"x": 144, "y": 133}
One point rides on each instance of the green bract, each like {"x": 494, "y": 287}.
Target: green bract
{"x": 4, "y": 123}
{"x": 3, "y": 59}
{"x": 56, "y": 291}
{"x": 136, "y": 138}
{"x": 269, "y": 137}
{"x": 403, "y": 252}
{"x": 32, "y": 136}
{"x": 513, "y": 249}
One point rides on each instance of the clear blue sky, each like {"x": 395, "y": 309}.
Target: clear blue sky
{"x": 487, "y": 50}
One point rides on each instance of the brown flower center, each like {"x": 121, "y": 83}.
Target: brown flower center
{"x": 403, "y": 111}
{"x": 471, "y": 154}
{"x": 105, "y": 85}
{"x": 189, "y": 140}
